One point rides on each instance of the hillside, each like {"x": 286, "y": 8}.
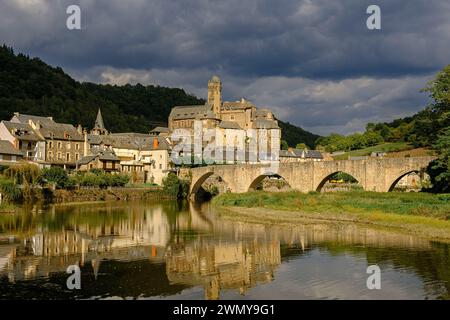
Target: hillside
{"x": 28, "y": 85}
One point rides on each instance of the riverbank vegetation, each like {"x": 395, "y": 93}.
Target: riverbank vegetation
{"x": 401, "y": 203}
{"x": 419, "y": 213}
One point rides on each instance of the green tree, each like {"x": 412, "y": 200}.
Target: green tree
{"x": 284, "y": 145}
{"x": 57, "y": 176}
{"x": 439, "y": 170}
{"x": 302, "y": 146}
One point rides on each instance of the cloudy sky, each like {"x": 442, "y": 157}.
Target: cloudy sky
{"x": 314, "y": 62}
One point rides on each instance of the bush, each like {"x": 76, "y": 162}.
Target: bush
{"x": 10, "y": 191}
{"x": 101, "y": 179}
{"x": 171, "y": 185}
{"x": 58, "y": 176}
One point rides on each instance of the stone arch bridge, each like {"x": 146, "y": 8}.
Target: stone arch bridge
{"x": 373, "y": 174}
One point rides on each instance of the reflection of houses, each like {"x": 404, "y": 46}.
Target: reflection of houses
{"x": 217, "y": 265}
{"x": 143, "y": 235}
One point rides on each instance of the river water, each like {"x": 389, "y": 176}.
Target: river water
{"x": 170, "y": 250}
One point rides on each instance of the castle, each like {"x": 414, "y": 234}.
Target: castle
{"x": 239, "y": 115}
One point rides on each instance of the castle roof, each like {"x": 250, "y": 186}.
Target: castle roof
{"x": 265, "y": 124}
{"x": 229, "y": 125}
{"x": 190, "y": 112}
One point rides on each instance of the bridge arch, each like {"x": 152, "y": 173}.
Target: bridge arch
{"x": 402, "y": 175}
{"x": 254, "y": 183}
{"x": 197, "y": 183}
{"x": 324, "y": 180}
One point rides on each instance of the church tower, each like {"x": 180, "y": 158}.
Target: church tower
{"x": 99, "y": 127}
{"x": 215, "y": 94}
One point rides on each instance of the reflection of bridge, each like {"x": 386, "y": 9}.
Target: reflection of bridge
{"x": 375, "y": 174}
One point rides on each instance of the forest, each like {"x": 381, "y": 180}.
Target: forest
{"x": 29, "y": 85}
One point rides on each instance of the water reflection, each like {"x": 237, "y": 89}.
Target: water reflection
{"x": 178, "y": 250}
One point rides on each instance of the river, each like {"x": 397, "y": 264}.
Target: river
{"x": 180, "y": 250}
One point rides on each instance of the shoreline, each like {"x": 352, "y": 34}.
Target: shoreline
{"x": 278, "y": 209}
{"x": 423, "y": 227}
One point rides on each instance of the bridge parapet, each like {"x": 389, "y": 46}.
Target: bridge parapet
{"x": 373, "y": 174}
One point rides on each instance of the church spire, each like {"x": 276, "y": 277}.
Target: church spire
{"x": 99, "y": 124}
{"x": 99, "y": 127}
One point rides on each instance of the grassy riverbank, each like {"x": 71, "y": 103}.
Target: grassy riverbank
{"x": 420, "y": 213}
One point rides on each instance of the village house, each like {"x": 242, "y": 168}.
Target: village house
{"x": 9, "y": 154}
{"x": 145, "y": 157}
{"x": 103, "y": 160}
{"x": 24, "y": 139}
{"x": 300, "y": 155}
{"x": 56, "y": 144}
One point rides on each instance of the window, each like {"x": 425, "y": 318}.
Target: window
{"x": 67, "y": 157}
{"x": 160, "y": 166}
{"x": 59, "y": 156}
{"x": 50, "y": 144}
{"x": 77, "y": 146}
{"x": 50, "y": 155}
{"x": 68, "y": 146}
{"x": 59, "y": 145}
{"x": 77, "y": 156}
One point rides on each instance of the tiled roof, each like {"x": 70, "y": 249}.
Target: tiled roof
{"x": 60, "y": 131}
{"x": 189, "y": 112}
{"x": 7, "y": 148}
{"x": 301, "y": 153}
{"x": 229, "y": 125}
{"x": 22, "y": 131}
{"x": 265, "y": 124}
{"x": 25, "y": 118}
{"x": 104, "y": 155}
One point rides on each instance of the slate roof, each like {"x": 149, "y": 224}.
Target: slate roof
{"x": 7, "y": 148}
{"x": 25, "y": 118}
{"x": 229, "y": 125}
{"x": 265, "y": 124}
{"x": 129, "y": 140}
{"x": 22, "y": 131}
{"x": 104, "y": 155}
{"x": 190, "y": 112}
{"x": 160, "y": 129}
{"x": 301, "y": 153}
{"x": 99, "y": 124}
{"x": 59, "y": 130}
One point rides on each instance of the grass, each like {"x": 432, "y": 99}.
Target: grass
{"x": 385, "y": 147}
{"x": 421, "y": 213}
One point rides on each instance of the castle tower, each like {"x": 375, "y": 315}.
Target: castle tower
{"x": 99, "y": 127}
{"x": 215, "y": 94}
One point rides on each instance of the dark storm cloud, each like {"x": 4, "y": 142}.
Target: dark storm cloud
{"x": 297, "y": 57}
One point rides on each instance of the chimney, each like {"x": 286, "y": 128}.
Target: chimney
{"x": 290, "y": 149}
{"x": 80, "y": 129}
{"x": 85, "y": 143}
{"x": 155, "y": 143}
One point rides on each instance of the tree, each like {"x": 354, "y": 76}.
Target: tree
{"x": 439, "y": 170}
{"x": 56, "y": 175}
{"x": 284, "y": 145}
{"x": 302, "y": 146}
